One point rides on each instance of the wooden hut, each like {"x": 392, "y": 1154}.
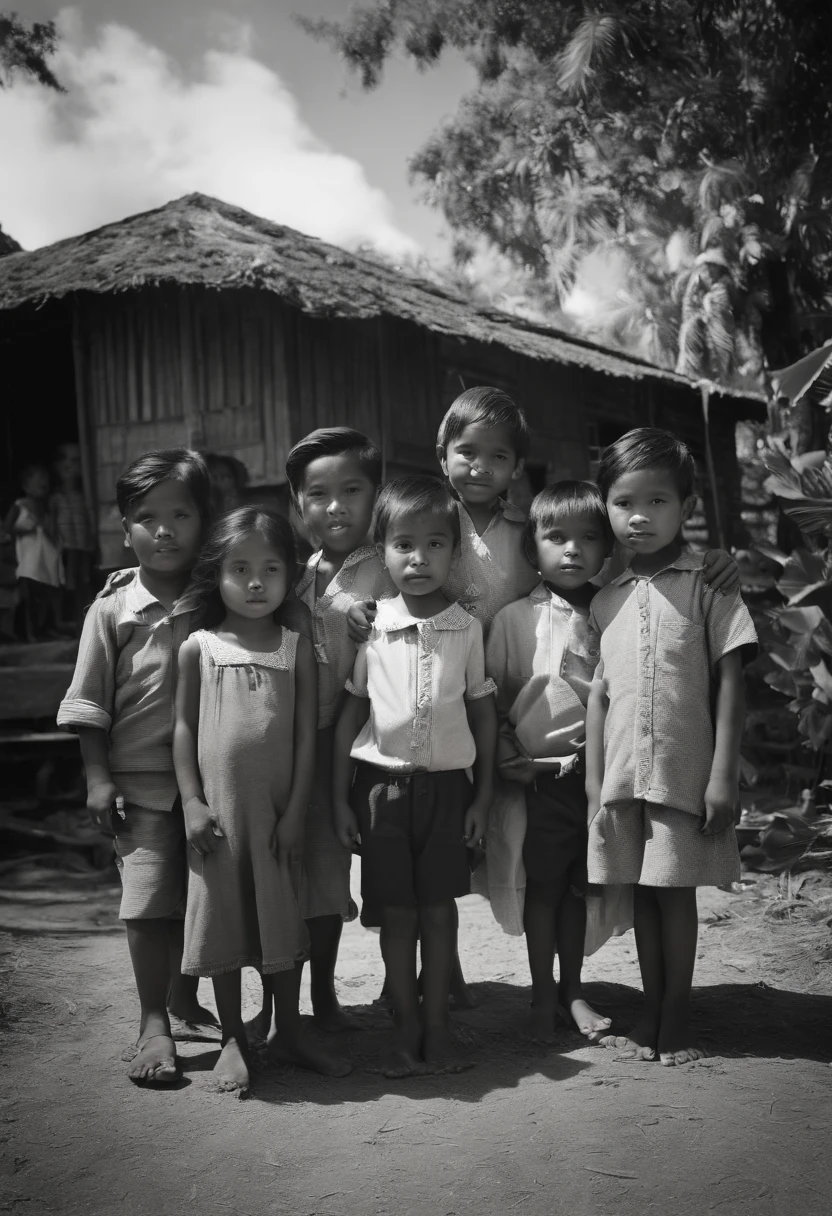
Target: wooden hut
{"x": 202, "y": 324}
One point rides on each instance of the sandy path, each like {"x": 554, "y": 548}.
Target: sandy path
{"x": 527, "y": 1131}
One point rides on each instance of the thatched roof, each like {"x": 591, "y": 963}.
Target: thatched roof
{"x": 197, "y": 240}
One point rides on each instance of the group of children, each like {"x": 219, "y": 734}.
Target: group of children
{"x": 442, "y": 689}
{"x": 49, "y": 545}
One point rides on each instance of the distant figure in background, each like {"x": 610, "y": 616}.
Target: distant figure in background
{"x": 75, "y": 530}
{"x": 9, "y": 594}
{"x": 31, "y": 520}
{"x": 229, "y": 478}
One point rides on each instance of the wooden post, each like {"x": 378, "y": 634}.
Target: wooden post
{"x": 705, "y": 390}
{"x": 383, "y": 381}
{"x": 85, "y": 441}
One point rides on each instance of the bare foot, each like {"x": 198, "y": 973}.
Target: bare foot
{"x": 677, "y": 1044}
{"x": 155, "y": 1061}
{"x": 638, "y": 1044}
{"x": 541, "y": 1023}
{"x": 231, "y": 1069}
{"x": 440, "y": 1054}
{"x": 402, "y": 1059}
{"x": 257, "y": 1028}
{"x": 187, "y": 1008}
{"x": 593, "y": 1026}
{"x": 333, "y": 1018}
{"x": 301, "y": 1048}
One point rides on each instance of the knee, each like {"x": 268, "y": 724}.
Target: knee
{"x": 438, "y": 918}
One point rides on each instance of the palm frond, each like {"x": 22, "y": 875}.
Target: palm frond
{"x": 721, "y": 183}
{"x": 592, "y": 45}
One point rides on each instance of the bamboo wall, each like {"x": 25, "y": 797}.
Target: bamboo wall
{"x": 244, "y": 373}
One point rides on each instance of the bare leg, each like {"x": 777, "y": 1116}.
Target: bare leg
{"x": 257, "y": 1028}
{"x": 399, "y": 931}
{"x": 461, "y": 995}
{"x": 571, "y": 934}
{"x": 231, "y": 1071}
{"x": 290, "y": 1040}
{"x": 155, "y": 1062}
{"x": 680, "y": 930}
{"x": 325, "y": 937}
{"x": 641, "y": 1042}
{"x": 436, "y": 922}
{"x": 539, "y": 923}
{"x": 183, "y": 1000}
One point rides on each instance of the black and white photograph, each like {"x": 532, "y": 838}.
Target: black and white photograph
{"x": 415, "y": 607}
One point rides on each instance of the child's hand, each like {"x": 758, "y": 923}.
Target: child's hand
{"x": 201, "y": 826}
{"x": 360, "y": 619}
{"x": 721, "y": 571}
{"x": 287, "y": 839}
{"x": 721, "y": 798}
{"x": 518, "y": 768}
{"x": 476, "y": 821}
{"x": 101, "y": 801}
{"x": 346, "y": 826}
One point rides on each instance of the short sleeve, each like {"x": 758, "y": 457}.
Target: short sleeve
{"x": 357, "y": 682}
{"x": 477, "y": 684}
{"x": 90, "y": 696}
{"x": 728, "y": 625}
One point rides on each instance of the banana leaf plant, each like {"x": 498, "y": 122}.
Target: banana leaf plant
{"x": 797, "y": 650}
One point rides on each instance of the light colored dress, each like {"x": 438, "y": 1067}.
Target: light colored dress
{"x": 38, "y": 557}
{"x": 242, "y": 904}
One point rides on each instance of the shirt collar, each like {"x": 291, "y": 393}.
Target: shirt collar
{"x": 545, "y": 595}
{"x": 310, "y": 569}
{"x": 393, "y": 617}
{"x": 136, "y": 596}
{"x": 504, "y": 508}
{"x": 685, "y": 561}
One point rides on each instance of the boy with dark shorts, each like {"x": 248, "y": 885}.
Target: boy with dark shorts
{"x": 420, "y": 714}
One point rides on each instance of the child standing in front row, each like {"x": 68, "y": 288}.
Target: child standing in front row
{"x": 421, "y": 712}
{"x": 542, "y": 654}
{"x": 120, "y": 702}
{"x": 662, "y": 773}
{"x": 244, "y": 749}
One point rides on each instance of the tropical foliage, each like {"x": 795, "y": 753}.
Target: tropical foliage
{"x": 681, "y": 145}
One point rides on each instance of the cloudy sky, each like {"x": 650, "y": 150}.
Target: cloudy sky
{"x": 232, "y": 99}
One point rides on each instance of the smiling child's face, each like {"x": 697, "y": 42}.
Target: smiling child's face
{"x": 336, "y": 502}
{"x": 481, "y": 463}
{"x": 570, "y": 551}
{"x": 418, "y": 552}
{"x": 646, "y": 510}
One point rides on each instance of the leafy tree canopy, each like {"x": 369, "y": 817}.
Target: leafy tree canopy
{"x": 685, "y": 143}
{"x": 26, "y": 49}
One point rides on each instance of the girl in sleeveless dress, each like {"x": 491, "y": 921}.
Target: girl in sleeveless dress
{"x": 244, "y": 750}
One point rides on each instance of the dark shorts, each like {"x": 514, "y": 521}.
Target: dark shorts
{"x": 411, "y": 825}
{"x": 556, "y": 832}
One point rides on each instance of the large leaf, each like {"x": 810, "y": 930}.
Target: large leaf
{"x": 802, "y": 570}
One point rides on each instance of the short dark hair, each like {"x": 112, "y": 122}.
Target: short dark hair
{"x": 235, "y": 467}
{"x": 332, "y": 441}
{"x": 564, "y": 500}
{"x": 169, "y": 464}
{"x": 485, "y": 407}
{"x": 647, "y": 447}
{"x": 417, "y": 495}
{"x": 202, "y": 595}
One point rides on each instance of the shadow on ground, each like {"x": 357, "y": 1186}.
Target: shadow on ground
{"x": 733, "y": 1020}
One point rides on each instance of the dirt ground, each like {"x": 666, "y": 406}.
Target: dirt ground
{"x": 528, "y": 1130}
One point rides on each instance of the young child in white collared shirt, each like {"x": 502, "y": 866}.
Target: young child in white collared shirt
{"x": 420, "y": 713}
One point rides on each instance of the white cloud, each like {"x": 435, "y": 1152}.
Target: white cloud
{"x": 133, "y": 132}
